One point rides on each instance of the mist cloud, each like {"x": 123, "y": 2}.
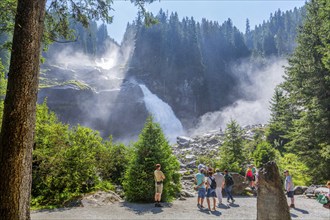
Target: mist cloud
{"x": 257, "y": 87}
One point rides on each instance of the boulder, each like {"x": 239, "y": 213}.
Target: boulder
{"x": 183, "y": 141}
{"x": 239, "y": 184}
{"x": 271, "y": 200}
{"x": 185, "y": 193}
{"x": 299, "y": 190}
{"x": 322, "y": 190}
{"x": 310, "y": 191}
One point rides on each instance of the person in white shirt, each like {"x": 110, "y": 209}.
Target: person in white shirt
{"x": 219, "y": 179}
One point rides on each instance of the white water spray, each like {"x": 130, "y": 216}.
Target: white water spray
{"x": 162, "y": 114}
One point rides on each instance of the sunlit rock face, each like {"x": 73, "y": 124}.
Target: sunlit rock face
{"x": 114, "y": 107}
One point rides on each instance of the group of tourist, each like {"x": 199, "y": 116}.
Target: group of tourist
{"x": 209, "y": 184}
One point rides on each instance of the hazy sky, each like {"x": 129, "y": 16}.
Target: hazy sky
{"x": 215, "y": 10}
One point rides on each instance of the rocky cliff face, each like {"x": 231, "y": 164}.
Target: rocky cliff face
{"x": 97, "y": 99}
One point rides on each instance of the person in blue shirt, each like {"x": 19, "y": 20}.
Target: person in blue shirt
{"x": 200, "y": 187}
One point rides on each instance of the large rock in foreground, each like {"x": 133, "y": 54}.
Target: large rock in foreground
{"x": 271, "y": 201}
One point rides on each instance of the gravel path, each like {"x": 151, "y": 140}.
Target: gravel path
{"x": 244, "y": 208}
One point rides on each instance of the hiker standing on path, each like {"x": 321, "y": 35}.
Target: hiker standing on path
{"x": 229, "y": 182}
{"x": 200, "y": 187}
{"x": 288, "y": 184}
{"x": 211, "y": 185}
{"x": 159, "y": 177}
{"x": 219, "y": 179}
{"x": 250, "y": 177}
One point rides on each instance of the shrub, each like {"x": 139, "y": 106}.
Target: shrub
{"x": 150, "y": 149}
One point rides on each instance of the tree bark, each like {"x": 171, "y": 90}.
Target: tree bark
{"x": 18, "y": 125}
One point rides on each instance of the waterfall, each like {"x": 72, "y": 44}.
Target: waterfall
{"x": 162, "y": 114}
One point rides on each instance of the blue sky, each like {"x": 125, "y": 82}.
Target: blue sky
{"x": 215, "y": 10}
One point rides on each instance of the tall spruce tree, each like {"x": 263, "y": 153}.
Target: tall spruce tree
{"x": 280, "y": 121}
{"x": 308, "y": 86}
{"x": 231, "y": 152}
{"x": 151, "y": 148}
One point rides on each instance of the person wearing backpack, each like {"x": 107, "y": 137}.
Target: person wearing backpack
{"x": 250, "y": 177}
{"x": 229, "y": 182}
{"x": 210, "y": 187}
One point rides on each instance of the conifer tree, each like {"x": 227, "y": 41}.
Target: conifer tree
{"x": 280, "y": 121}
{"x": 231, "y": 151}
{"x": 151, "y": 148}
{"x": 308, "y": 86}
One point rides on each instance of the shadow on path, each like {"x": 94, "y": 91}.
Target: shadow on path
{"x": 207, "y": 211}
{"x": 142, "y": 208}
{"x": 234, "y": 205}
{"x": 301, "y": 210}
{"x": 223, "y": 206}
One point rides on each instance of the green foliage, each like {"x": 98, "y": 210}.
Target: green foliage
{"x": 263, "y": 154}
{"x": 281, "y": 120}
{"x": 66, "y": 162}
{"x": 112, "y": 162}
{"x": 207, "y": 160}
{"x": 300, "y": 173}
{"x": 151, "y": 148}
{"x": 276, "y": 36}
{"x": 231, "y": 152}
{"x": 307, "y": 84}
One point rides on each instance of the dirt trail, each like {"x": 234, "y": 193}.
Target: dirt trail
{"x": 243, "y": 208}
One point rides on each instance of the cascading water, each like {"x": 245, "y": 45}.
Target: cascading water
{"x": 162, "y": 114}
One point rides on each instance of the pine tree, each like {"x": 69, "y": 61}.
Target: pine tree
{"x": 308, "y": 86}
{"x": 263, "y": 153}
{"x": 231, "y": 152}
{"x": 151, "y": 148}
{"x": 280, "y": 121}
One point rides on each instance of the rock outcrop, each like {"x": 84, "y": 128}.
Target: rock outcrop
{"x": 271, "y": 201}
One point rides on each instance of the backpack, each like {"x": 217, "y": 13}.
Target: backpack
{"x": 229, "y": 180}
{"x": 213, "y": 183}
{"x": 249, "y": 173}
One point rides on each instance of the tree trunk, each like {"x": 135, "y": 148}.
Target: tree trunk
{"x": 18, "y": 125}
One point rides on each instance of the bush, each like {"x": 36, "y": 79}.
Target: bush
{"x": 263, "y": 153}
{"x": 298, "y": 170}
{"x": 150, "y": 149}
{"x": 64, "y": 160}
